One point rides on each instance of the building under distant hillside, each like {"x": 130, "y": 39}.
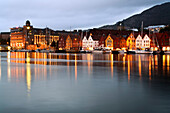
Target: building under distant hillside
{"x": 32, "y": 38}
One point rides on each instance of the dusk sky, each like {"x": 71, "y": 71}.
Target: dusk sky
{"x": 61, "y": 14}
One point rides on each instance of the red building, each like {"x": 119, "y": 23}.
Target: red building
{"x": 62, "y": 42}
{"x": 123, "y": 43}
{"x": 102, "y": 41}
{"x": 116, "y": 42}
{"x": 76, "y": 42}
{"x": 165, "y": 41}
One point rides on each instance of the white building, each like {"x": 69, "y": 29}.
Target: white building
{"x": 146, "y": 42}
{"x": 92, "y": 44}
{"x": 84, "y": 43}
{"x": 139, "y": 42}
{"x": 89, "y": 44}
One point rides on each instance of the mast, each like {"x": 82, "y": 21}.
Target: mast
{"x": 46, "y": 35}
{"x": 142, "y": 29}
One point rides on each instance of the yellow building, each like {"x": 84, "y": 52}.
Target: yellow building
{"x": 68, "y": 43}
{"x": 131, "y": 42}
{"x": 109, "y": 42}
{"x": 27, "y": 37}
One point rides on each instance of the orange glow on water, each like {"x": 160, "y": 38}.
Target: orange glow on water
{"x": 128, "y": 68}
{"x": 76, "y": 67}
{"x": 150, "y": 67}
{"x": 88, "y": 63}
{"x": 164, "y": 63}
{"x": 0, "y": 67}
{"x": 111, "y": 65}
{"x": 168, "y": 60}
{"x": 139, "y": 66}
{"x": 28, "y": 78}
{"x": 124, "y": 63}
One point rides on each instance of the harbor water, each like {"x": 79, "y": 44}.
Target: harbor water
{"x": 84, "y": 83}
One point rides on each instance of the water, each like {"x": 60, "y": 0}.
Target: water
{"x": 84, "y": 83}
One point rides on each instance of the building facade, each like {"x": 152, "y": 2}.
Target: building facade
{"x": 27, "y": 37}
{"x": 131, "y": 42}
{"x": 109, "y": 42}
{"x": 146, "y": 42}
{"x": 139, "y": 42}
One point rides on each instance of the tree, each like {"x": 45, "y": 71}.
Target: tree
{"x": 165, "y": 29}
{"x": 53, "y": 44}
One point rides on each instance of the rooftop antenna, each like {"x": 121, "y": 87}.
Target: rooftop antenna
{"x": 46, "y": 34}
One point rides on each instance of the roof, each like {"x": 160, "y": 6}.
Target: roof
{"x": 5, "y": 33}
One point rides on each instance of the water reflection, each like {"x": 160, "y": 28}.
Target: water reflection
{"x": 9, "y": 67}
{"x": 54, "y": 78}
{"x": 128, "y": 68}
{"x": 150, "y": 67}
{"x": 28, "y": 78}
{"x": 140, "y": 68}
{"x": 143, "y": 65}
{"x": 76, "y": 67}
{"x": 0, "y": 67}
{"x": 111, "y": 65}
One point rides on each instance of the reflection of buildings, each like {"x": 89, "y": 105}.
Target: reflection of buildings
{"x": 132, "y": 65}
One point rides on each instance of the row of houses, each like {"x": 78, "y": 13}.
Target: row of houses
{"x": 28, "y": 37}
{"x": 113, "y": 42}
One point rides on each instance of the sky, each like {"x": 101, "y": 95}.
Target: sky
{"x": 69, "y": 14}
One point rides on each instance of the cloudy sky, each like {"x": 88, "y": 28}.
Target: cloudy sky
{"x": 61, "y": 14}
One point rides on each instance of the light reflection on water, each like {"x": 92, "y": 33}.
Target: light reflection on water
{"x": 47, "y": 71}
{"x": 144, "y": 64}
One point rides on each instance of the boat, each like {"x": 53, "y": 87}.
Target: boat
{"x": 44, "y": 51}
{"x": 23, "y": 50}
{"x": 72, "y": 51}
{"x": 118, "y": 51}
{"x": 131, "y": 51}
{"x": 82, "y": 51}
{"x": 13, "y": 50}
{"x": 166, "y": 52}
{"x": 156, "y": 52}
{"x": 107, "y": 51}
{"x": 85, "y": 51}
{"x": 143, "y": 52}
{"x": 98, "y": 51}
{"x": 115, "y": 52}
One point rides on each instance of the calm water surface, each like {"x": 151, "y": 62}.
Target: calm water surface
{"x": 84, "y": 83}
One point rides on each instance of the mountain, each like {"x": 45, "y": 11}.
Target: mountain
{"x": 157, "y": 15}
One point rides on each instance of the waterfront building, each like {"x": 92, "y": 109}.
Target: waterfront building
{"x": 84, "y": 43}
{"x": 116, "y": 43}
{"x": 165, "y": 41}
{"x": 17, "y": 39}
{"x": 32, "y": 38}
{"x": 61, "y": 42}
{"x": 123, "y": 45}
{"x": 68, "y": 43}
{"x": 109, "y": 42}
{"x": 146, "y": 42}
{"x": 102, "y": 41}
{"x": 4, "y": 38}
{"x": 92, "y": 43}
{"x": 43, "y": 38}
{"x": 76, "y": 43}
{"x": 131, "y": 42}
{"x": 139, "y": 42}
